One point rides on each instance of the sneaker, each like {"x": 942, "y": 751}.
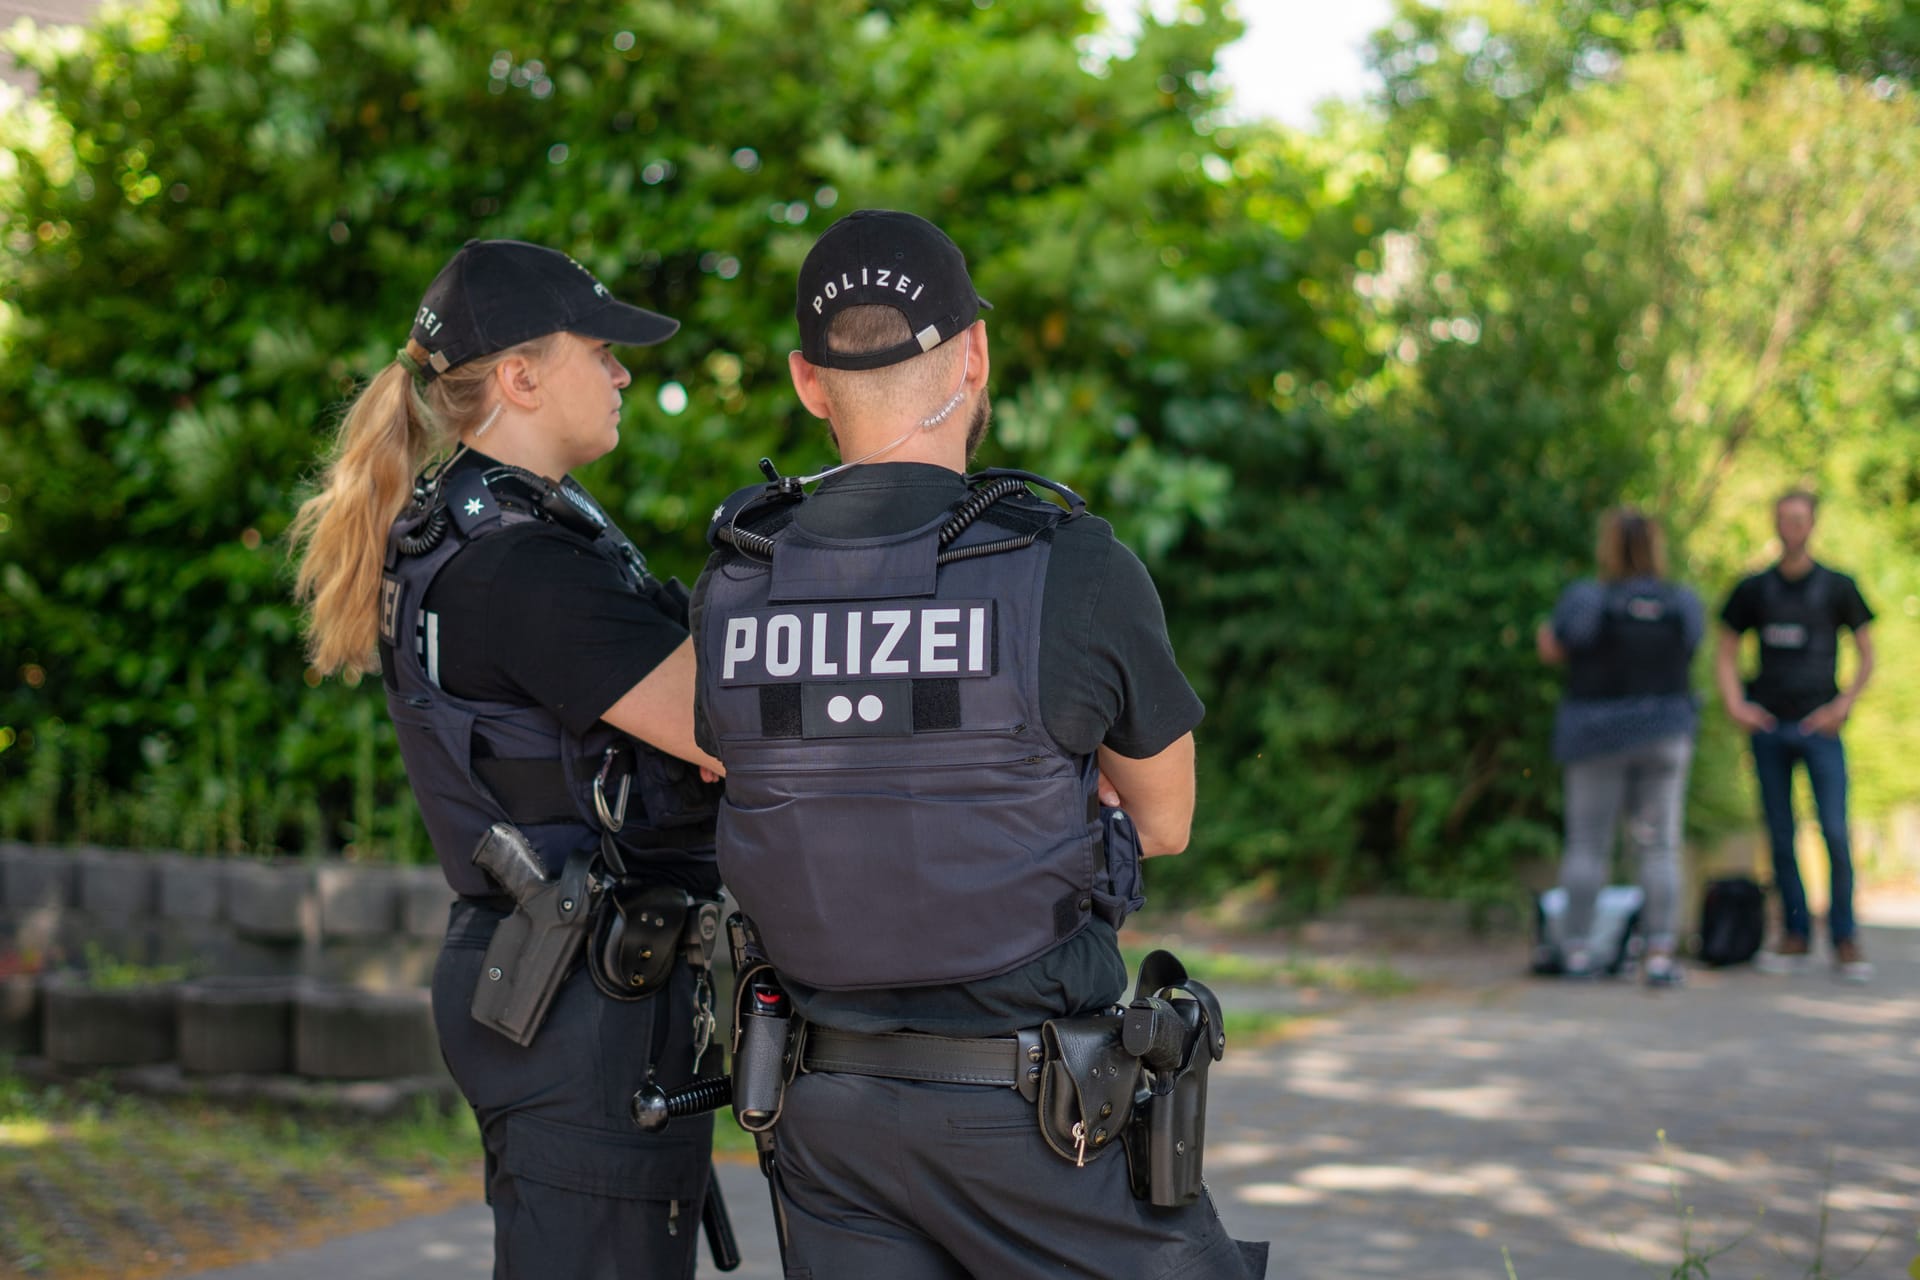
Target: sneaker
{"x": 1661, "y": 971}
{"x": 1789, "y": 955}
{"x": 1850, "y": 963}
{"x": 1579, "y": 965}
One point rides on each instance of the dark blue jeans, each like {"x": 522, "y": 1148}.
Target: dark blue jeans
{"x": 1774, "y": 755}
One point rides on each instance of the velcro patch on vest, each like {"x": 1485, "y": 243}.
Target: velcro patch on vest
{"x": 946, "y": 639}
{"x": 389, "y": 609}
{"x": 1783, "y": 635}
{"x": 856, "y": 709}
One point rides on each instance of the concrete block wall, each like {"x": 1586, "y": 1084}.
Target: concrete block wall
{"x": 369, "y": 926}
{"x": 320, "y": 966}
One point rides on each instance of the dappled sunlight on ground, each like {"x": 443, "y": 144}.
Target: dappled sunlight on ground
{"x": 1420, "y": 1138}
{"x": 1855, "y": 1011}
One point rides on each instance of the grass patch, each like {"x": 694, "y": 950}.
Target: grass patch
{"x": 108, "y": 1184}
{"x": 730, "y": 1141}
{"x": 1230, "y": 968}
{"x": 1348, "y": 977}
{"x": 1255, "y": 1026}
{"x": 110, "y": 973}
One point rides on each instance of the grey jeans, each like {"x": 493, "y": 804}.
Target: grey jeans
{"x": 1648, "y": 786}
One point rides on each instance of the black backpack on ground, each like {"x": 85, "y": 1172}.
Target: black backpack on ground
{"x": 1733, "y": 920}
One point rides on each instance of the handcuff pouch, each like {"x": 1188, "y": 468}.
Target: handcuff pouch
{"x": 638, "y": 937}
{"x": 1087, "y": 1084}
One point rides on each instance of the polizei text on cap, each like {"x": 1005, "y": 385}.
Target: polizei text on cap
{"x": 887, "y": 278}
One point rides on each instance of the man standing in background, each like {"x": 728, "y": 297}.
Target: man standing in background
{"x": 1794, "y": 711}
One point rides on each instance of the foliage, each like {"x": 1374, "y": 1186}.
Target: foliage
{"x": 221, "y": 221}
{"x": 1573, "y": 299}
{"x": 1358, "y": 393}
{"x": 106, "y": 972}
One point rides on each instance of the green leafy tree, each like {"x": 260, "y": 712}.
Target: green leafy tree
{"x": 1652, "y": 252}
{"x": 220, "y": 219}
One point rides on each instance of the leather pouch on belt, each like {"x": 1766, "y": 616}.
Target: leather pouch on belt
{"x": 1086, "y": 1086}
{"x": 638, "y": 937}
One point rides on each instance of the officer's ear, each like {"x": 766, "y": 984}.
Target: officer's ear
{"x": 978, "y": 361}
{"x": 518, "y": 382}
{"x": 806, "y": 384}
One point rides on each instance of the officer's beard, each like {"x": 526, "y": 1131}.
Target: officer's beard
{"x": 977, "y": 429}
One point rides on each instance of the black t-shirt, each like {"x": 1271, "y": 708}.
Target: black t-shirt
{"x": 1799, "y": 621}
{"x": 1107, "y": 677}
{"x": 534, "y": 615}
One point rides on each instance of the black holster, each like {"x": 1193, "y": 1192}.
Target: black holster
{"x": 1176, "y": 1039}
{"x": 532, "y": 950}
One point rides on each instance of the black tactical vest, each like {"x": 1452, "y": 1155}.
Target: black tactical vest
{"x": 896, "y": 813}
{"x": 1797, "y": 630}
{"x": 474, "y": 763}
{"x": 1641, "y": 649}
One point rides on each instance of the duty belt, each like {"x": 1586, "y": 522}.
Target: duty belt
{"x": 1009, "y": 1062}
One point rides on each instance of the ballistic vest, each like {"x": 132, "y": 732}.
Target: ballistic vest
{"x": 896, "y": 813}
{"x": 1641, "y": 649}
{"x": 1798, "y": 636}
{"x": 473, "y": 763}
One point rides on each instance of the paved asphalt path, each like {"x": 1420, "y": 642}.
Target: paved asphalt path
{"x": 1415, "y": 1137}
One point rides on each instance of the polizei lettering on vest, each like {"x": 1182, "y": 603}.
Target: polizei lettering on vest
{"x": 952, "y": 639}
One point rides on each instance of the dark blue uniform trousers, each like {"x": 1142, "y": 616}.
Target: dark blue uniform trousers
{"x": 913, "y": 1181}
{"x": 577, "y": 1192}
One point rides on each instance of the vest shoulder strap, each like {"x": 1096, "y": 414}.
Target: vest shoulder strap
{"x": 471, "y": 503}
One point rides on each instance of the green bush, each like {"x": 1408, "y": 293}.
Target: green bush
{"x": 1357, "y": 393}
{"x": 221, "y": 218}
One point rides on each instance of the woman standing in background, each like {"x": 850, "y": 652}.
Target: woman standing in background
{"x": 1624, "y": 731}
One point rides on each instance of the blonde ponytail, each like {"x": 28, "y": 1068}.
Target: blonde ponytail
{"x": 340, "y": 533}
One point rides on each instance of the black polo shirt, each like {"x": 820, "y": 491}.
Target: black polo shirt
{"x": 533, "y": 615}
{"x": 1799, "y": 621}
{"x": 1107, "y": 677}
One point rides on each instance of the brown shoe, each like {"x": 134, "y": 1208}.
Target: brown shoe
{"x": 1788, "y": 955}
{"x": 1850, "y": 962}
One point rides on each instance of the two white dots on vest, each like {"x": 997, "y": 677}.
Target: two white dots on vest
{"x": 840, "y": 708}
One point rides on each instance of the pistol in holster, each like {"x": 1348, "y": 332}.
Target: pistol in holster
{"x": 1176, "y": 1039}
{"x": 532, "y": 950}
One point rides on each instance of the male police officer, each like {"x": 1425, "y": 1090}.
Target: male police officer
{"x": 917, "y": 688}
{"x": 1795, "y": 711}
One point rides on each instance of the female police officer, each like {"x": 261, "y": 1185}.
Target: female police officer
{"x": 540, "y": 678}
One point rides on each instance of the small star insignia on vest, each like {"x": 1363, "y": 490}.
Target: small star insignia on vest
{"x": 475, "y": 506}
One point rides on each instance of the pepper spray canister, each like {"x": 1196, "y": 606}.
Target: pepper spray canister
{"x": 761, "y": 1054}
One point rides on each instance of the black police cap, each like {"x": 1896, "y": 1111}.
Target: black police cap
{"x": 886, "y": 258}
{"x": 496, "y": 294}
